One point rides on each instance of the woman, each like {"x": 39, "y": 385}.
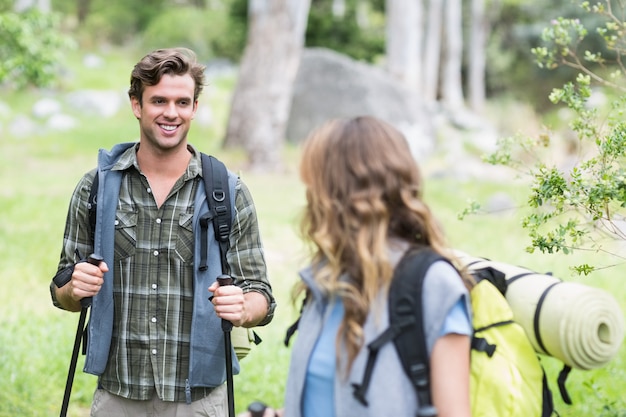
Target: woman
{"x": 364, "y": 211}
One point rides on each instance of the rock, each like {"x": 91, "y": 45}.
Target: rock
{"x": 104, "y": 103}
{"x": 5, "y": 111}
{"x": 22, "y": 126}
{"x": 204, "y": 115}
{"x": 61, "y": 122}
{"x": 500, "y": 203}
{"x": 46, "y": 107}
{"x": 330, "y": 85}
{"x": 93, "y": 61}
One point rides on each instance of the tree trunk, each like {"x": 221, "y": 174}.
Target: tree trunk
{"x": 404, "y": 41}
{"x": 339, "y": 8}
{"x": 477, "y": 57}
{"x": 432, "y": 52}
{"x": 82, "y": 10}
{"x": 262, "y": 96}
{"x": 452, "y": 84}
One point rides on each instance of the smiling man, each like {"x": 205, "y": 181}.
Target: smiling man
{"x": 153, "y": 342}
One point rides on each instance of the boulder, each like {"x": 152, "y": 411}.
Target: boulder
{"x": 330, "y": 85}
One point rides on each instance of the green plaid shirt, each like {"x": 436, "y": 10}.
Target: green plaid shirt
{"x": 153, "y": 273}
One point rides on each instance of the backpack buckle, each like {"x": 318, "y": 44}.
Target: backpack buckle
{"x": 219, "y": 195}
{"x": 419, "y": 375}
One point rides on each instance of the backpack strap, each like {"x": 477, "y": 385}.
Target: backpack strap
{"x": 215, "y": 178}
{"x": 493, "y": 275}
{"x": 92, "y": 203}
{"x": 406, "y": 328}
{"x": 291, "y": 330}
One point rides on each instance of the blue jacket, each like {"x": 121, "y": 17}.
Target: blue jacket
{"x": 207, "y": 364}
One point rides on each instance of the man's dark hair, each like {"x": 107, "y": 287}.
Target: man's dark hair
{"x": 173, "y": 61}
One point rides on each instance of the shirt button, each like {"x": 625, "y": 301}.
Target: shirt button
{"x": 156, "y": 253}
{"x": 149, "y": 190}
{"x": 158, "y": 221}
{"x": 154, "y": 351}
{"x": 154, "y": 286}
{"x": 153, "y": 319}
{"x": 117, "y": 222}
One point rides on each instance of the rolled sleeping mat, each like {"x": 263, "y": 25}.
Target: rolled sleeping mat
{"x": 580, "y": 325}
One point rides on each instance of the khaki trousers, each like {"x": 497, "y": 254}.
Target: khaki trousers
{"x": 106, "y": 404}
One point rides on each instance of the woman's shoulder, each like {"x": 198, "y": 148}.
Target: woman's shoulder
{"x": 443, "y": 274}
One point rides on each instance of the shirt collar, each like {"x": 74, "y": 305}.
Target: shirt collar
{"x": 129, "y": 159}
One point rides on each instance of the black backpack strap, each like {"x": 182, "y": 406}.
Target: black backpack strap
{"x": 291, "y": 330}
{"x": 406, "y": 328}
{"x": 493, "y": 275}
{"x": 92, "y": 204}
{"x": 561, "y": 383}
{"x": 215, "y": 178}
{"x": 360, "y": 390}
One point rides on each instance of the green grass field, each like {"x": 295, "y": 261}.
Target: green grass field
{"x": 38, "y": 173}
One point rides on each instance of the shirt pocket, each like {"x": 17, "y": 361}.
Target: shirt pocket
{"x": 185, "y": 241}
{"x": 125, "y": 233}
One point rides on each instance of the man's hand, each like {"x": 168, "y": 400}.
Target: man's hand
{"x": 229, "y": 303}
{"x": 240, "y": 309}
{"x": 86, "y": 281}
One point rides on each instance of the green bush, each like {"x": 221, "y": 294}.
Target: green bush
{"x": 344, "y": 34}
{"x": 208, "y": 27}
{"x": 30, "y": 47}
{"x": 232, "y": 42}
{"x": 114, "y": 21}
{"x": 114, "y": 24}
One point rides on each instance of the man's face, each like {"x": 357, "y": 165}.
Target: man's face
{"x": 166, "y": 113}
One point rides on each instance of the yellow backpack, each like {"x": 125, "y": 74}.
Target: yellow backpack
{"x": 506, "y": 377}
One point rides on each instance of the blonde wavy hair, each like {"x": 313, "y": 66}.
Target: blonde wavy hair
{"x": 363, "y": 187}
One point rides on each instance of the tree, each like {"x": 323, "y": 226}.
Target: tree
{"x": 581, "y": 206}
{"x": 82, "y": 10}
{"x": 452, "y": 85}
{"x": 476, "y": 56}
{"x": 262, "y": 96}
{"x": 350, "y": 27}
{"x": 339, "y": 8}
{"x": 432, "y": 52}
{"x": 404, "y": 41}
{"x": 30, "y": 48}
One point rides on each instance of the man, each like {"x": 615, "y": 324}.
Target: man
{"x": 154, "y": 339}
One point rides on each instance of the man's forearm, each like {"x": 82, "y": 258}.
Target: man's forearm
{"x": 256, "y": 308}
{"x": 64, "y": 298}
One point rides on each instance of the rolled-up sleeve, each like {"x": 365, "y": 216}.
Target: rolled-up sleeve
{"x": 245, "y": 256}
{"x": 77, "y": 241}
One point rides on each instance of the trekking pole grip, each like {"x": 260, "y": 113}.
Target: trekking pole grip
{"x": 223, "y": 280}
{"x": 256, "y": 409}
{"x": 93, "y": 259}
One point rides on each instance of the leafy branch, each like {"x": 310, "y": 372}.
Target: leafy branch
{"x": 31, "y": 46}
{"x": 581, "y": 206}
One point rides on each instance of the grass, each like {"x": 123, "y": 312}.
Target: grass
{"x": 39, "y": 172}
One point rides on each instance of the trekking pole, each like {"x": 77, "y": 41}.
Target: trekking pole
{"x": 256, "y": 409}
{"x": 85, "y": 304}
{"x": 227, "y": 326}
